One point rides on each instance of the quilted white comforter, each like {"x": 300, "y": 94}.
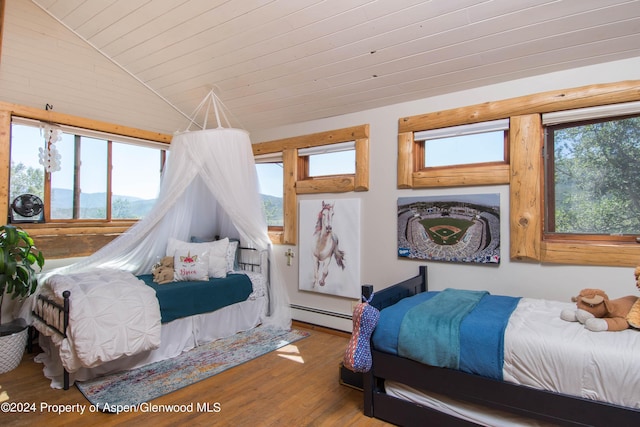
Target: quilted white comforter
{"x": 112, "y": 314}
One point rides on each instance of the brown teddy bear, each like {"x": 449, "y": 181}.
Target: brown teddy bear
{"x": 598, "y": 313}
{"x": 634, "y": 314}
{"x": 163, "y": 271}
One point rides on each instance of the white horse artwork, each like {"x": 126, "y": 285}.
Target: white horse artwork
{"x": 325, "y": 245}
{"x": 330, "y": 247}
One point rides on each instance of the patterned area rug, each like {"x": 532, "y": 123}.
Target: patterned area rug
{"x": 159, "y": 378}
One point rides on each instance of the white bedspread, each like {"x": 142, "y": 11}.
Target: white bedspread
{"x": 112, "y": 314}
{"x": 544, "y": 351}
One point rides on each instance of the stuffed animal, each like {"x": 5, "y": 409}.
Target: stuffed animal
{"x": 163, "y": 271}
{"x": 634, "y": 314}
{"x": 598, "y": 313}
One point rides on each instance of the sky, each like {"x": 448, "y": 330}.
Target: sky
{"x": 462, "y": 150}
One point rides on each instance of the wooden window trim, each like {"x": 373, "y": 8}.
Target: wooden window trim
{"x": 62, "y": 239}
{"x": 526, "y": 169}
{"x": 295, "y": 182}
{"x": 413, "y": 173}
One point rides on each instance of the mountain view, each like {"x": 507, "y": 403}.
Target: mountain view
{"x": 126, "y": 207}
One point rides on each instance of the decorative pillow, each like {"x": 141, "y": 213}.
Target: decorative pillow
{"x": 217, "y": 252}
{"x": 232, "y": 250}
{"x": 196, "y": 239}
{"x": 218, "y": 258}
{"x": 190, "y": 266}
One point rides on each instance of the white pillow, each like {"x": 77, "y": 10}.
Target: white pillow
{"x": 218, "y": 257}
{"x": 188, "y": 265}
{"x": 231, "y": 256}
{"x": 217, "y": 262}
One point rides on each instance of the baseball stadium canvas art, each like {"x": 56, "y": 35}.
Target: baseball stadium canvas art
{"x": 461, "y": 228}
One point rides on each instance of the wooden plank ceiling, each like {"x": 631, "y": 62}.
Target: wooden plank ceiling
{"x": 275, "y": 62}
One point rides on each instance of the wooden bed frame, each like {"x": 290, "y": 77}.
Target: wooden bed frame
{"x": 528, "y": 402}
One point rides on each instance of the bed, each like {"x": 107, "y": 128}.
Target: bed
{"x": 537, "y": 386}
{"x": 139, "y": 321}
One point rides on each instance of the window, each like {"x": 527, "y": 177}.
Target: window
{"x": 135, "y": 179}
{"x": 270, "y": 175}
{"x": 464, "y": 145}
{"x": 101, "y": 177}
{"x": 20, "y": 141}
{"x": 469, "y": 154}
{"x": 328, "y": 162}
{"x": 592, "y": 177}
{"x": 27, "y": 174}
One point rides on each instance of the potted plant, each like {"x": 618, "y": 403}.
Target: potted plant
{"x": 18, "y": 255}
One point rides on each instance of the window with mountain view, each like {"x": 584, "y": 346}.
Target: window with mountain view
{"x": 101, "y": 177}
{"x": 271, "y": 187}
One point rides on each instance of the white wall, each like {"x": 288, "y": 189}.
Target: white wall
{"x": 379, "y": 262}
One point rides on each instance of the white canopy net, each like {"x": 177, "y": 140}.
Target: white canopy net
{"x": 209, "y": 188}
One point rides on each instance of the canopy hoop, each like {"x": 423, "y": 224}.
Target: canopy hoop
{"x": 211, "y": 99}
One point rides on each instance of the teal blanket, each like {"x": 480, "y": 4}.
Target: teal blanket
{"x": 439, "y": 319}
{"x": 183, "y": 299}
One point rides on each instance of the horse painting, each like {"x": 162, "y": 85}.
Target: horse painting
{"x": 325, "y": 246}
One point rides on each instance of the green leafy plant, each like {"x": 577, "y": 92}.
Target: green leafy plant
{"x": 18, "y": 254}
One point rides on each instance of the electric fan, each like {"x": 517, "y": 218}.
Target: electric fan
{"x": 27, "y": 208}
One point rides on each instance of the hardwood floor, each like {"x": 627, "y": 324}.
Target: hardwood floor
{"x": 294, "y": 386}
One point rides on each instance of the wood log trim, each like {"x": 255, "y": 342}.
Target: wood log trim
{"x": 590, "y": 253}
{"x": 290, "y": 199}
{"x": 406, "y": 159}
{"x": 5, "y": 163}
{"x": 55, "y": 229}
{"x": 312, "y": 140}
{"x": 69, "y": 120}
{"x": 339, "y": 184}
{"x": 69, "y": 246}
{"x": 460, "y": 176}
{"x": 546, "y": 102}
{"x": 526, "y": 187}
{"x": 362, "y": 165}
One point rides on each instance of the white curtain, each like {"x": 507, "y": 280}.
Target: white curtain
{"x": 209, "y": 188}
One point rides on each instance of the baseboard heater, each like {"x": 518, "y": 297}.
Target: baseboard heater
{"x": 320, "y": 311}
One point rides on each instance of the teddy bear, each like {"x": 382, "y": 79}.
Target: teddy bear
{"x": 634, "y": 314}
{"x": 598, "y": 313}
{"x": 163, "y": 271}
